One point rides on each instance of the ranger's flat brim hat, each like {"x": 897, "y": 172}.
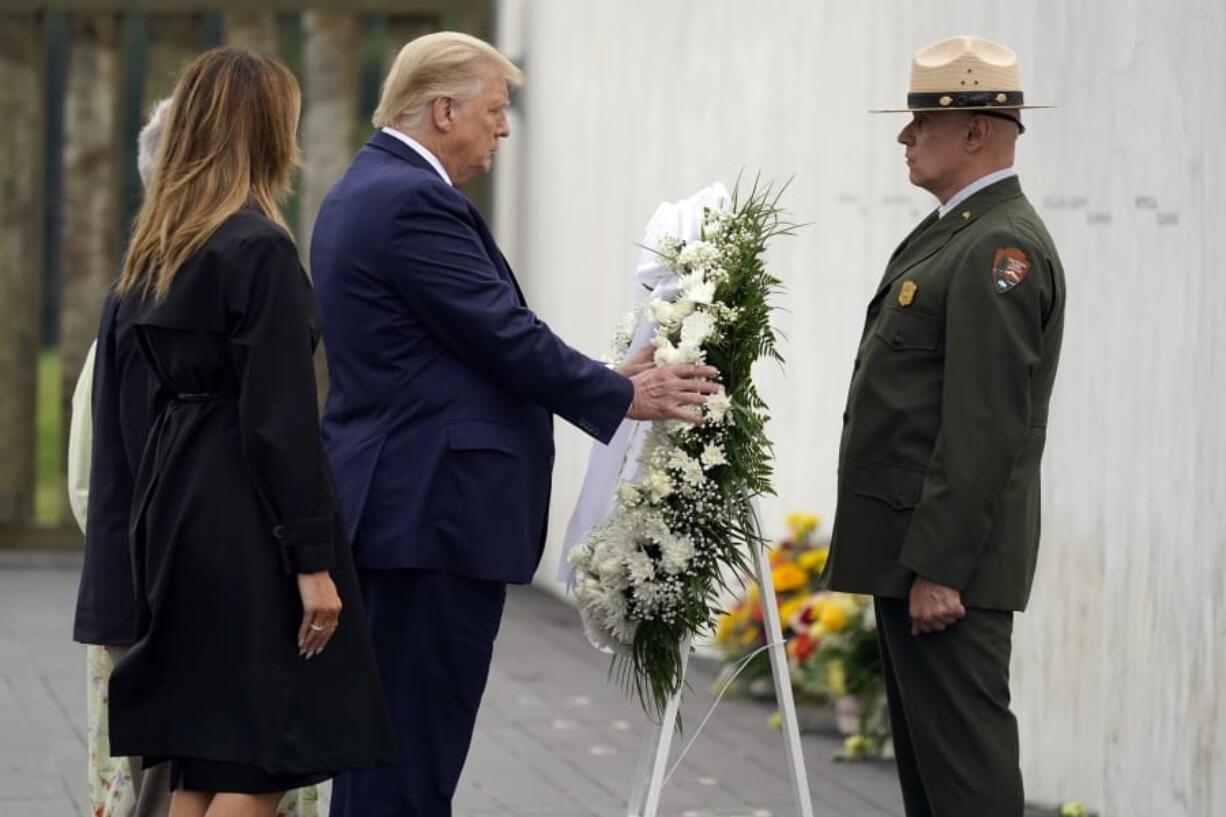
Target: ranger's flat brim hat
{"x": 964, "y": 74}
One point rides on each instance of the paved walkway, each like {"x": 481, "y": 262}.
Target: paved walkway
{"x": 554, "y": 739}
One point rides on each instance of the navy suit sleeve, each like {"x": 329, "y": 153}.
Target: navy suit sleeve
{"x": 105, "y": 611}
{"x": 271, "y": 305}
{"x": 451, "y": 285}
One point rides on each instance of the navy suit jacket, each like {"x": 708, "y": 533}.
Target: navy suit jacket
{"x": 438, "y": 422}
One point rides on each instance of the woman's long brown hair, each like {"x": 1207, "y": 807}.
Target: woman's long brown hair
{"x": 230, "y": 141}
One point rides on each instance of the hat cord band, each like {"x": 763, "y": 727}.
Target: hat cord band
{"x": 966, "y": 99}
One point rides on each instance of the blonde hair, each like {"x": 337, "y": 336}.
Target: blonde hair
{"x": 230, "y": 142}
{"x": 443, "y": 64}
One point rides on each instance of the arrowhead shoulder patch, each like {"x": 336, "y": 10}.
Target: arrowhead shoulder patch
{"x": 1009, "y": 268}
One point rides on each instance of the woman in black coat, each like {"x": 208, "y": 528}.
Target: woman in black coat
{"x": 252, "y": 672}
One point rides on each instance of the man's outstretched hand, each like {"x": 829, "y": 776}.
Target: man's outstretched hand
{"x": 672, "y": 392}
{"x": 934, "y": 607}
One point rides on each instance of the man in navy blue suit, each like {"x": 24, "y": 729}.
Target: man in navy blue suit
{"x": 438, "y": 422}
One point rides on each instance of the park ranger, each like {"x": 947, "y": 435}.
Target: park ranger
{"x": 938, "y": 509}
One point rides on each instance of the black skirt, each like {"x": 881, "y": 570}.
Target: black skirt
{"x": 196, "y": 774}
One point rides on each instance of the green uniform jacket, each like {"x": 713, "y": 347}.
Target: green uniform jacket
{"x": 947, "y": 414}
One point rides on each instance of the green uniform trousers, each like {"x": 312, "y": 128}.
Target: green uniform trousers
{"x": 954, "y": 736}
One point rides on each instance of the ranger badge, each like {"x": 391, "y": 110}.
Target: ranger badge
{"x": 1009, "y": 268}
{"x": 906, "y": 294}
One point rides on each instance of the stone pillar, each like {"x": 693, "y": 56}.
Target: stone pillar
{"x": 329, "y": 119}
{"x": 255, "y": 30}
{"x": 174, "y": 41}
{"x": 329, "y": 109}
{"x": 403, "y": 28}
{"x": 22, "y": 66}
{"x": 90, "y": 255}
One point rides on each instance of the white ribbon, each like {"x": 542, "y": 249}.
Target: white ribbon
{"x": 619, "y": 460}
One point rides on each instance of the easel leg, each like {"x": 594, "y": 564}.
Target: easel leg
{"x": 783, "y": 685}
{"x": 653, "y": 762}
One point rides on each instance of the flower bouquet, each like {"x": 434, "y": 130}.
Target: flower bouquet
{"x": 649, "y": 576}
{"x": 834, "y": 654}
{"x": 797, "y": 561}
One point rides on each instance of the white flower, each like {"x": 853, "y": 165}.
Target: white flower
{"x": 697, "y": 328}
{"x": 691, "y": 471}
{"x": 629, "y": 494}
{"x": 667, "y": 354}
{"x": 659, "y": 485}
{"x": 675, "y": 554}
{"x": 712, "y": 225}
{"x": 718, "y": 406}
{"x": 697, "y": 289}
{"x": 662, "y": 312}
{"x": 640, "y": 568}
{"x": 712, "y": 456}
{"x": 647, "y": 595}
{"x": 679, "y": 460}
{"x": 668, "y": 246}
{"x": 698, "y": 255}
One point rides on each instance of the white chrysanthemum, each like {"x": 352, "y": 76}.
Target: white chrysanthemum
{"x": 712, "y": 225}
{"x": 648, "y": 596}
{"x": 675, "y": 554}
{"x": 697, "y": 328}
{"x": 679, "y": 459}
{"x": 718, "y": 406}
{"x": 659, "y": 485}
{"x": 698, "y": 255}
{"x": 692, "y": 472}
{"x": 669, "y": 355}
{"x": 640, "y": 568}
{"x": 712, "y": 456}
{"x": 662, "y": 312}
{"x": 697, "y": 289}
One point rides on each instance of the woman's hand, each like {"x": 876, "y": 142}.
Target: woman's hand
{"x": 321, "y": 609}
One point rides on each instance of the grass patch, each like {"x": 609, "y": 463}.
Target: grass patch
{"x": 49, "y": 493}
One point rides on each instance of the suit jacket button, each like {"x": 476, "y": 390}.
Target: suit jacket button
{"x": 278, "y": 532}
{"x": 844, "y": 418}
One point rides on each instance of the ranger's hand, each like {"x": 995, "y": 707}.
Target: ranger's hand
{"x": 934, "y": 607}
{"x": 672, "y": 393}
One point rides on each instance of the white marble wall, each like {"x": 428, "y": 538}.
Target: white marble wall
{"x": 1121, "y": 661}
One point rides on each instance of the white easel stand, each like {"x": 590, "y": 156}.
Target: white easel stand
{"x": 653, "y": 763}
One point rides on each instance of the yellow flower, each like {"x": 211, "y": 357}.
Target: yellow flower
{"x": 789, "y": 577}
{"x": 814, "y": 560}
{"x": 749, "y": 636}
{"x": 833, "y": 617}
{"x": 856, "y": 747}
{"x": 789, "y": 609}
{"x": 1073, "y": 809}
{"x": 723, "y": 632}
{"x": 836, "y": 677}
{"x": 802, "y": 524}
